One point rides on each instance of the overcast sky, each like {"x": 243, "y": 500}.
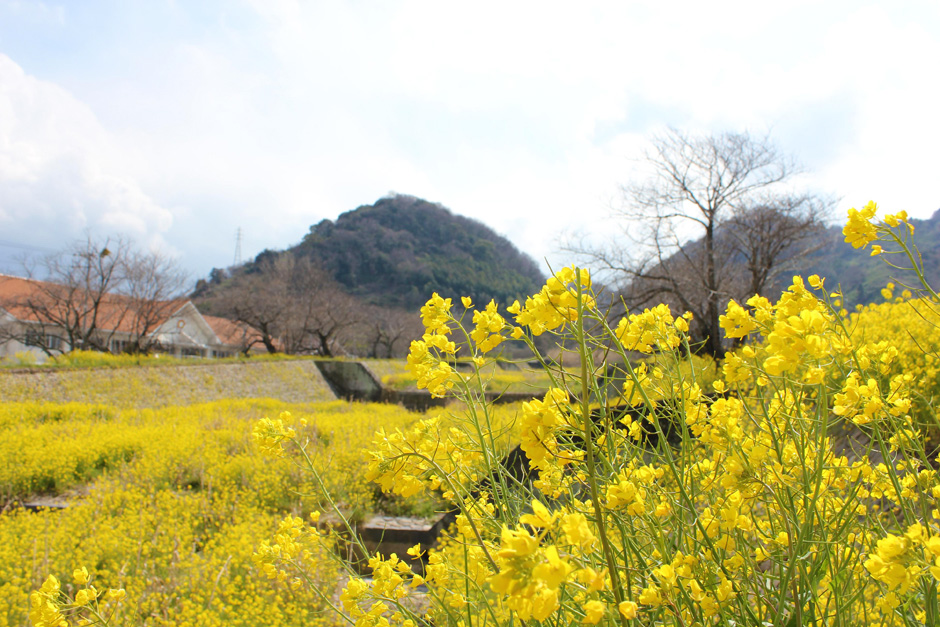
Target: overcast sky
{"x": 177, "y": 123}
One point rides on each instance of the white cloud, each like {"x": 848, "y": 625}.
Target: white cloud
{"x": 60, "y": 172}
{"x": 891, "y": 157}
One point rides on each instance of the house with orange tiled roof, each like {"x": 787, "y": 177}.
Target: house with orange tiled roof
{"x": 44, "y": 319}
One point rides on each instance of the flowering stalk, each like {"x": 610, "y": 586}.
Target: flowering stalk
{"x": 587, "y": 383}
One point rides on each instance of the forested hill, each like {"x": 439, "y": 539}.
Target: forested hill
{"x": 399, "y": 250}
{"x": 862, "y": 276}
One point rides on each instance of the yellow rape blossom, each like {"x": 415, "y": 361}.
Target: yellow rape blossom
{"x": 487, "y": 333}
{"x": 435, "y": 314}
{"x": 593, "y": 612}
{"x": 737, "y": 322}
{"x": 577, "y": 531}
{"x": 859, "y": 230}
{"x": 271, "y": 434}
{"x": 556, "y": 303}
{"x": 628, "y": 609}
{"x": 80, "y": 575}
{"x": 654, "y": 329}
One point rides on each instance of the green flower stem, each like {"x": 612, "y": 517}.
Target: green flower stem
{"x": 589, "y": 453}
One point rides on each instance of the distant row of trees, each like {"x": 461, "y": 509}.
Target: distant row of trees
{"x": 97, "y": 289}
{"x": 299, "y": 309}
{"x": 85, "y": 293}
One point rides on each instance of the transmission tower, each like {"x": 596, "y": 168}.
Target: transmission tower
{"x": 238, "y": 247}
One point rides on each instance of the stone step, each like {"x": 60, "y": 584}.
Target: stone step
{"x": 386, "y": 535}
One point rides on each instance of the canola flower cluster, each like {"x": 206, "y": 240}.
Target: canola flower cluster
{"x": 430, "y": 359}
{"x": 167, "y": 505}
{"x": 797, "y": 486}
{"x": 51, "y": 607}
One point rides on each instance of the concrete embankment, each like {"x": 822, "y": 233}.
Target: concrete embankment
{"x": 295, "y": 381}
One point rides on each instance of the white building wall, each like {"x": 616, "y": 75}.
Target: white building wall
{"x": 12, "y": 341}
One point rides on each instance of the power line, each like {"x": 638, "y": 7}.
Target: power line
{"x": 41, "y": 249}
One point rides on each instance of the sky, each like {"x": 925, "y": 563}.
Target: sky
{"x": 179, "y": 124}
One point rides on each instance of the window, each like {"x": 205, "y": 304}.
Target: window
{"x": 119, "y": 346}
{"x": 33, "y": 338}
{"x": 43, "y": 340}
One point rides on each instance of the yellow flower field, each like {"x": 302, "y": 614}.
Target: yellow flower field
{"x": 793, "y": 482}
{"x": 168, "y": 500}
{"x": 169, "y": 503}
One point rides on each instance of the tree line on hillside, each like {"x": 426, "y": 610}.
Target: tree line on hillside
{"x": 399, "y": 250}
{"x": 354, "y": 285}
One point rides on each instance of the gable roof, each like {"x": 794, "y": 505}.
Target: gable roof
{"x": 14, "y": 292}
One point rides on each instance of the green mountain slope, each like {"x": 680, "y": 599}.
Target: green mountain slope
{"x": 399, "y": 250}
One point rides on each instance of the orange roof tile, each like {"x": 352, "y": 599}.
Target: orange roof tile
{"x": 232, "y": 333}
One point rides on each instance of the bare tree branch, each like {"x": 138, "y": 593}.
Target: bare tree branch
{"x": 71, "y": 295}
{"x": 94, "y": 292}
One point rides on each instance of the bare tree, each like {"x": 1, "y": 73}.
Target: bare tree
{"x": 321, "y": 312}
{"x": 711, "y": 204}
{"x": 389, "y": 332}
{"x": 71, "y": 295}
{"x": 261, "y": 300}
{"x": 85, "y": 296}
{"x": 295, "y": 305}
{"x": 154, "y": 284}
{"x": 773, "y": 238}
